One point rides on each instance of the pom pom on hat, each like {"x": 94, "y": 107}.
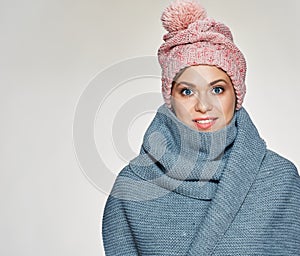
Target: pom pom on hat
{"x": 180, "y": 14}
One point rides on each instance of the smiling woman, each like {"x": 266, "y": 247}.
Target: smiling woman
{"x": 203, "y": 98}
{"x": 204, "y": 182}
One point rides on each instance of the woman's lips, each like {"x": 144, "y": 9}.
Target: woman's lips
{"x": 204, "y": 123}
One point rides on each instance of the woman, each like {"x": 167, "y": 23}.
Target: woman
{"x": 204, "y": 182}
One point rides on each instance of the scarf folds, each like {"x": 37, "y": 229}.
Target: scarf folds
{"x": 238, "y": 199}
{"x": 177, "y": 158}
{"x": 227, "y": 164}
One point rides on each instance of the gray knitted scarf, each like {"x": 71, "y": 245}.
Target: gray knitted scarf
{"x": 223, "y": 173}
{"x": 181, "y": 159}
{"x": 199, "y": 165}
{"x": 176, "y": 158}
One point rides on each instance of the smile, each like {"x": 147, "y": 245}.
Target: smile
{"x": 204, "y": 123}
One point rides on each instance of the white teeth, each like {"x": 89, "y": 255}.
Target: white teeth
{"x": 204, "y": 121}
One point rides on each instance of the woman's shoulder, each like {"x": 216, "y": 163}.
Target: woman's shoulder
{"x": 277, "y": 167}
{"x": 275, "y": 160}
{"x": 278, "y": 183}
{"x": 125, "y": 185}
{"x": 126, "y": 172}
{"x": 125, "y": 178}
{"x": 130, "y": 186}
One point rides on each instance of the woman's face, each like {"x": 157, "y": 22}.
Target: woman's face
{"x": 203, "y": 98}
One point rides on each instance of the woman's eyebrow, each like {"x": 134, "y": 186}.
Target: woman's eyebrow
{"x": 186, "y": 83}
{"x": 217, "y": 81}
{"x": 194, "y": 86}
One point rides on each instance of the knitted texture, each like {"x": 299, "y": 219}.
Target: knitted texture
{"x": 195, "y": 39}
{"x": 193, "y": 155}
{"x": 253, "y": 209}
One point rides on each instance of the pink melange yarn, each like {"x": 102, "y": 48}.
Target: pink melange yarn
{"x": 195, "y": 39}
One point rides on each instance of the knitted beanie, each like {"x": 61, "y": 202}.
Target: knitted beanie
{"x": 195, "y": 39}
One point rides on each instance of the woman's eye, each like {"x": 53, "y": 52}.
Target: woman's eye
{"x": 186, "y": 92}
{"x": 217, "y": 90}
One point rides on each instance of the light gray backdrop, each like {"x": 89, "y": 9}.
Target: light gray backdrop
{"x": 51, "y": 52}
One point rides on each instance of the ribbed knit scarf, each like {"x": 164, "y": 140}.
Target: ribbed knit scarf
{"x": 173, "y": 158}
{"x": 181, "y": 159}
{"x": 225, "y": 189}
{"x": 176, "y": 158}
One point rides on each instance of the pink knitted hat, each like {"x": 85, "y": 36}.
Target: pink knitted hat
{"x": 195, "y": 39}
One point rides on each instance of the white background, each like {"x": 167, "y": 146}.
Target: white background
{"x": 51, "y": 50}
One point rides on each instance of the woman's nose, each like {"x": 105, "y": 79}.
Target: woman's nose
{"x": 203, "y": 104}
